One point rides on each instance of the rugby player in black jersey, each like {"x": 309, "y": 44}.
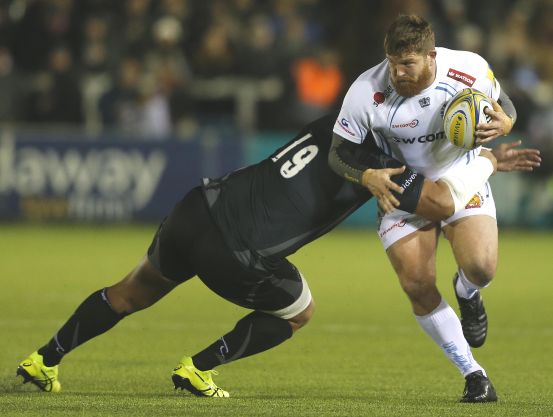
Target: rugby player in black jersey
{"x": 235, "y": 233}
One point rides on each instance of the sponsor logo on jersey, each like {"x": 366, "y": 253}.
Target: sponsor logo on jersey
{"x": 461, "y": 77}
{"x": 424, "y": 102}
{"x": 344, "y": 123}
{"x": 475, "y": 202}
{"x": 409, "y": 181}
{"x": 401, "y": 223}
{"x": 412, "y": 123}
{"x": 421, "y": 139}
{"x": 380, "y": 96}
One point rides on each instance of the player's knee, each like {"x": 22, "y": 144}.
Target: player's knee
{"x": 301, "y": 319}
{"x": 140, "y": 289}
{"x": 480, "y": 272}
{"x": 417, "y": 286}
{"x": 119, "y": 301}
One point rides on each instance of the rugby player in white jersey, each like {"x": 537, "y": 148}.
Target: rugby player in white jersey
{"x": 400, "y": 102}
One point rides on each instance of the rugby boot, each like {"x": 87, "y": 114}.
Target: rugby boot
{"x": 474, "y": 319}
{"x": 478, "y": 389}
{"x": 33, "y": 370}
{"x": 200, "y": 383}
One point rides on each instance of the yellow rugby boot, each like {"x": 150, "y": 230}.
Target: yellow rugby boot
{"x": 33, "y": 370}
{"x": 200, "y": 383}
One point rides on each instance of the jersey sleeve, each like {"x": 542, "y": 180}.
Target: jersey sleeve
{"x": 353, "y": 122}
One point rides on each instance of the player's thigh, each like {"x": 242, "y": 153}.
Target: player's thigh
{"x": 414, "y": 257}
{"x": 281, "y": 291}
{"x": 173, "y": 250}
{"x": 171, "y": 256}
{"x": 474, "y": 241}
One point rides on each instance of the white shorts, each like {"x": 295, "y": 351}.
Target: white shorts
{"x": 398, "y": 223}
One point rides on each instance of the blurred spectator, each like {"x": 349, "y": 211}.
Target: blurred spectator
{"x": 96, "y": 61}
{"x": 215, "y": 56}
{"x": 176, "y": 91}
{"x": 179, "y": 9}
{"x": 259, "y": 55}
{"x": 133, "y": 31}
{"x": 542, "y": 42}
{"x": 43, "y": 25}
{"x": 120, "y": 107}
{"x": 250, "y": 43}
{"x": 319, "y": 82}
{"x": 155, "y": 120}
{"x": 167, "y": 48}
{"x": 96, "y": 51}
{"x": 136, "y": 105}
{"x": 56, "y": 97}
{"x": 10, "y": 99}
{"x": 169, "y": 72}
{"x": 540, "y": 135}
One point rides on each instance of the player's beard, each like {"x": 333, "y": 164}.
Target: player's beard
{"x": 409, "y": 87}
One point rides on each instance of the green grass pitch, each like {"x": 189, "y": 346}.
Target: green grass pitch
{"x": 362, "y": 354}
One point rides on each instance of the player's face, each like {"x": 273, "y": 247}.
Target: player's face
{"x": 411, "y": 72}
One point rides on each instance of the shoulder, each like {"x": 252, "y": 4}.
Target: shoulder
{"x": 373, "y": 81}
{"x": 464, "y": 67}
{"x": 375, "y": 76}
{"x": 465, "y": 59}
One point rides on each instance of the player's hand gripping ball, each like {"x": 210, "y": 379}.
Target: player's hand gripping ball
{"x": 461, "y": 115}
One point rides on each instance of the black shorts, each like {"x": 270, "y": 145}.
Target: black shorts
{"x": 188, "y": 243}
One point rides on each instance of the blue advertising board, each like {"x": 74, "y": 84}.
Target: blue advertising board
{"x": 105, "y": 180}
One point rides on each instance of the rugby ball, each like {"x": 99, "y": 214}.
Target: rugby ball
{"x": 461, "y": 115}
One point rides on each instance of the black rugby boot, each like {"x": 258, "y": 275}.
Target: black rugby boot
{"x": 474, "y": 319}
{"x": 478, "y": 389}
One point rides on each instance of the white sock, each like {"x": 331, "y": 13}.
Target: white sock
{"x": 444, "y": 327}
{"x": 464, "y": 287}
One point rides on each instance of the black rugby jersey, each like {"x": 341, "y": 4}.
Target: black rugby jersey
{"x": 268, "y": 210}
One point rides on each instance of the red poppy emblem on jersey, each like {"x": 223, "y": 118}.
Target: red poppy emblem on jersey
{"x": 379, "y": 97}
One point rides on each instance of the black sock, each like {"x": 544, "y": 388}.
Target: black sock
{"x": 253, "y": 334}
{"x": 92, "y": 318}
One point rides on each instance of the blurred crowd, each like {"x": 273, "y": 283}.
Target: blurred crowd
{"x": 158, "y": 67}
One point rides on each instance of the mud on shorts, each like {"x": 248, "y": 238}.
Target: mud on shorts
{"x": 188, "y": 243}
{"x": 398, "y": 223}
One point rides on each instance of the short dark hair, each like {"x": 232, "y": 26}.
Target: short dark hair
{"x": 409, "y": 33}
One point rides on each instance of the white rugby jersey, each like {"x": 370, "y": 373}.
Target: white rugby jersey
{"x": 411, "y": 129}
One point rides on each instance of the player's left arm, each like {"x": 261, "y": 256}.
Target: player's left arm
{"x": 438, "y": 201}
{"x": 503, "y": 117}
{"x": 509, "y": 158}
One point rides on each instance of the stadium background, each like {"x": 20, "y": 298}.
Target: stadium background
{"x": 110, "y": 110}
{"x": 191, "y": 88}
